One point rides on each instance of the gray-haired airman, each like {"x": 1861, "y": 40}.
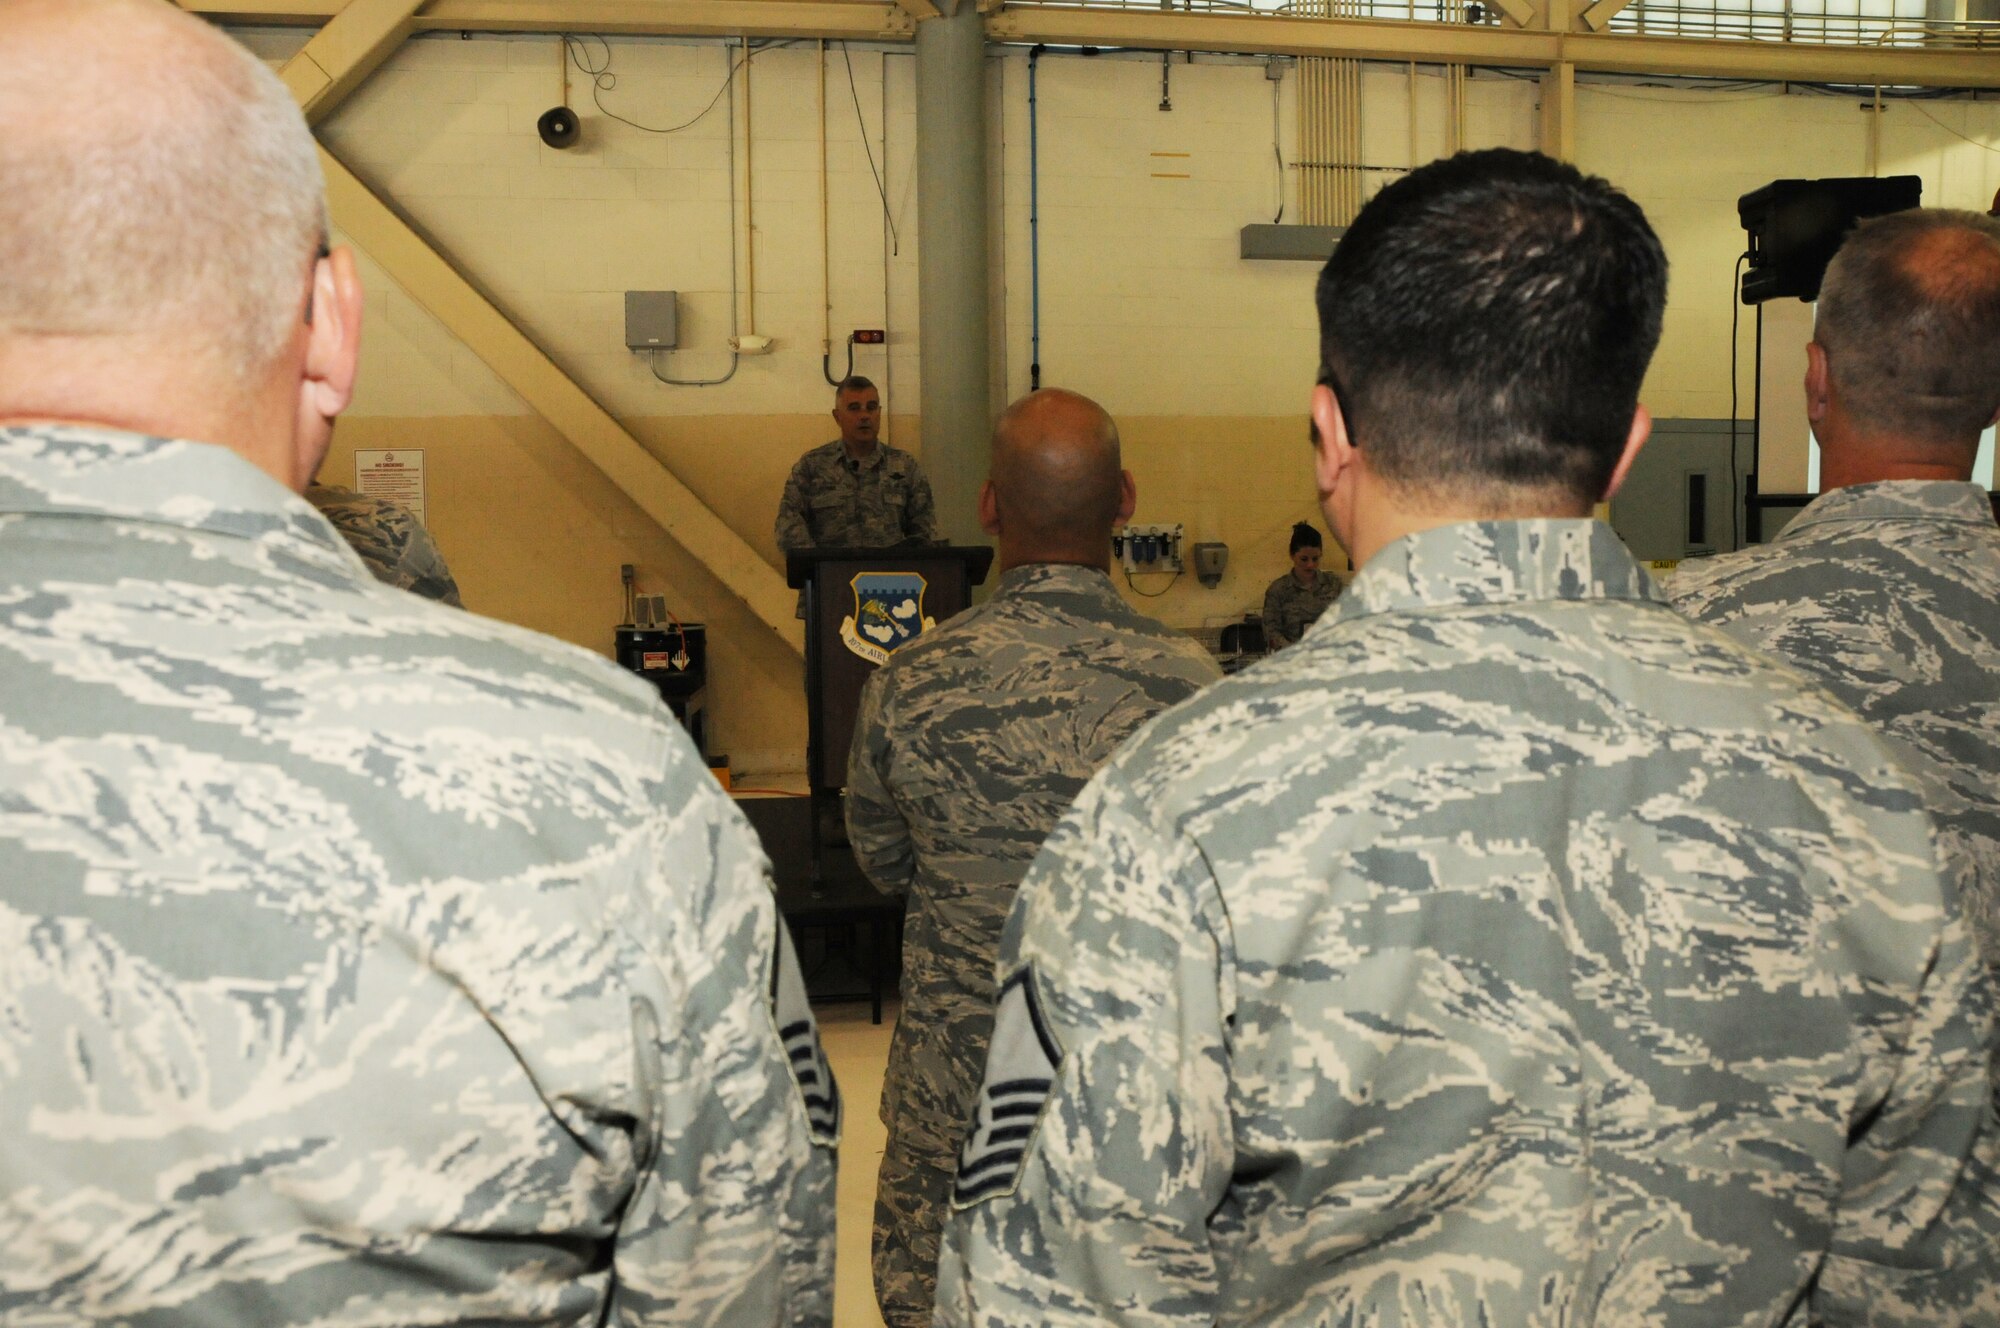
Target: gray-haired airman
{"x": 1886, "y": 588}
{"x": 362, "y": 961}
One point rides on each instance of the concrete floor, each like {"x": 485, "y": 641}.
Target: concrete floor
{"x": 859, "y": 1052}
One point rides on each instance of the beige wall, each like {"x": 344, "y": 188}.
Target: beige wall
{"x": 1204, "y": 358}
{"x": 1687, "y": 156}
{"x": 535, "y": 534}
{"x": 447, "y": 129}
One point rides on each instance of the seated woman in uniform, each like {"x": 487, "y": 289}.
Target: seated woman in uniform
{"x": 1296, "y": 599}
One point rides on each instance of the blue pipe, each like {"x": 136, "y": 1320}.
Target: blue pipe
{"x": 1034, "y": 233}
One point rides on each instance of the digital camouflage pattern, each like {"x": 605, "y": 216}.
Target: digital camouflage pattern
{"x": 390, "y": 539}
{"x": 1290, "y": 608}
{"x": 1889, "y": 595}
{"x": 971, "y": 741}
{"x": 366, "y": 962}
{"x": 832, "y": 502}
{"x": 1510, "y": 952}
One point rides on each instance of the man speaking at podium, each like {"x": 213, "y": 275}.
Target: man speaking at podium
{"x": 856, "y": 492}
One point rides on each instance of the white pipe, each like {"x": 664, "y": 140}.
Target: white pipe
{"x": 825, "y": 228}
{"x": 749, "y": 195}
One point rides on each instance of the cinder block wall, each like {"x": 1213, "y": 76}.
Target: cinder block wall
{"x": 1205, "y": 359}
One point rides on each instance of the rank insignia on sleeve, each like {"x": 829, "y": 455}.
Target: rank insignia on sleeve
{"x": 1020, "y": 1073}
{"x": 799, "y": 1032}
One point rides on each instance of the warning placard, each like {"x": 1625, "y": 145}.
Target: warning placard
{"x": 395, "y": 474}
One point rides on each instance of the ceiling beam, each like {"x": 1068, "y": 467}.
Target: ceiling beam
{"x": 858, "y": 20}
{"x": 1780, "y": 62}
{"x": 1245, "y": 33}
{"x": 835, "y": 20}
{"x": 434, "y": 283}
{"x": 291, "y": 13}
{"x": 1438, "y": 43}
{"x": 345, "y": 52}
{"x": 1169, "y": 30}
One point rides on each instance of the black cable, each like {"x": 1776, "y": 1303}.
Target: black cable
{"x": 1275, "y": 152}
{"x": 895, "y": 240}
{"x": 1890, "y": 92}
{"x": 1667, "y": 83}
{"x": 1152, "y": 594}
{"x": 1735, "y": 318}
{"x": 603, "y": 80}
{"x": 826, "y": 366}
{"x": 1754, "y": 529}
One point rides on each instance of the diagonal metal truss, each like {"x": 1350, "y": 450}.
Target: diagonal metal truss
{"x": 433, "y": 282}
{"x": 338, "y": 59}
{"x": 342, "y": 54}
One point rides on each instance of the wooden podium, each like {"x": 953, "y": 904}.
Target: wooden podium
{"x": 860, "y": 606}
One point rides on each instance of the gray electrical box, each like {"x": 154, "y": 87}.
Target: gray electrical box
{"x": 651, "y": 319}
{"x": 1312, "y": 244}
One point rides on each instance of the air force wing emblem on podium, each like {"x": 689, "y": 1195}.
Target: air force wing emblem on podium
{"x": 888, "y": 613}
{"x": 1021, "y": 1067}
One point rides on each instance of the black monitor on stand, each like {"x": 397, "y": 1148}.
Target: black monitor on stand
{"x": 1795, "y": 227}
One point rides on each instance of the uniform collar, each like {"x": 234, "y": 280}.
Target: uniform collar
{"x": 1496, "y": 562}
{"x": 1895, "y": 500}
{"x": 1046, "y": 580}
{"x": 870, "y": 462}
{"x": 84, "y": 470}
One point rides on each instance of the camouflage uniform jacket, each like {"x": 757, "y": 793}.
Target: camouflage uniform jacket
{"x": 1889, "y": 595}
{"x": 1290, "y": 608}
{"x": 398, "y": 550}
{"x": 970, "y": 742}
{"x": 1512, "y": 951}
{"x": 833, "y": 502}
{"x": 366, "y": 962}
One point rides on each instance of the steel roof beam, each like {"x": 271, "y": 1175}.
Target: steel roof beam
{"x": 1438, "y": 43}
{"x": 835, "y": 20}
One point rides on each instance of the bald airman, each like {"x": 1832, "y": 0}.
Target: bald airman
{"x": 971, "y": 742}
